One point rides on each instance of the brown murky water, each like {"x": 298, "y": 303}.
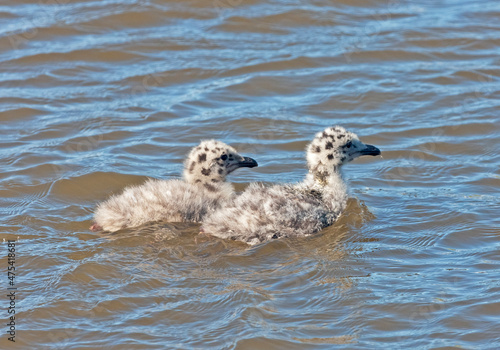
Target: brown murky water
{"x": 99, "y": 95}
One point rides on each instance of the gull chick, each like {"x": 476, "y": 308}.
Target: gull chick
{"x": 263, "y": 213}
{"x": 202, "y": 190}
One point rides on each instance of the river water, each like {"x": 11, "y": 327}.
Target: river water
{"x": 99, "y": 95}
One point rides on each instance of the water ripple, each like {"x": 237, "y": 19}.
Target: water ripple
{"x": 100, "y": 95}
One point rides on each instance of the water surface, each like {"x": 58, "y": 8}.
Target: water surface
{"x": 99, "y": 95}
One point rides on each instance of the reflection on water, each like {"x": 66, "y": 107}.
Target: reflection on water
{"x": 96, "y": 96}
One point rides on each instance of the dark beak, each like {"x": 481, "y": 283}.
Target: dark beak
{"x": 370, "y": 151}
{"x": 248, "y": 162}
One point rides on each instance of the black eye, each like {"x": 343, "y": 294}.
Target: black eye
{"x": 223, "y": 157}
{"x": 349, "y": 144}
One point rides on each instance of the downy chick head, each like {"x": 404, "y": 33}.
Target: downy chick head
{"x": 211, "y": 161}
{"x": 332, "y": 148}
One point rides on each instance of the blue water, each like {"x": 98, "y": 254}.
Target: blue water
{"x": 99, "y": 95}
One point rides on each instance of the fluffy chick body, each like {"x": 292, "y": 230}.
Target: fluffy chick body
{"x": 203, "y": 190}
{"x": 263, "y": 213}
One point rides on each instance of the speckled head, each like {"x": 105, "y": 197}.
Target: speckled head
{"x": 334, "y": 147}
{"x": 211, "y": 161}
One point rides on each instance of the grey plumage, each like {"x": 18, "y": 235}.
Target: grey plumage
{"x": 203, "y": 190}
{"x": 263, "y": 213}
